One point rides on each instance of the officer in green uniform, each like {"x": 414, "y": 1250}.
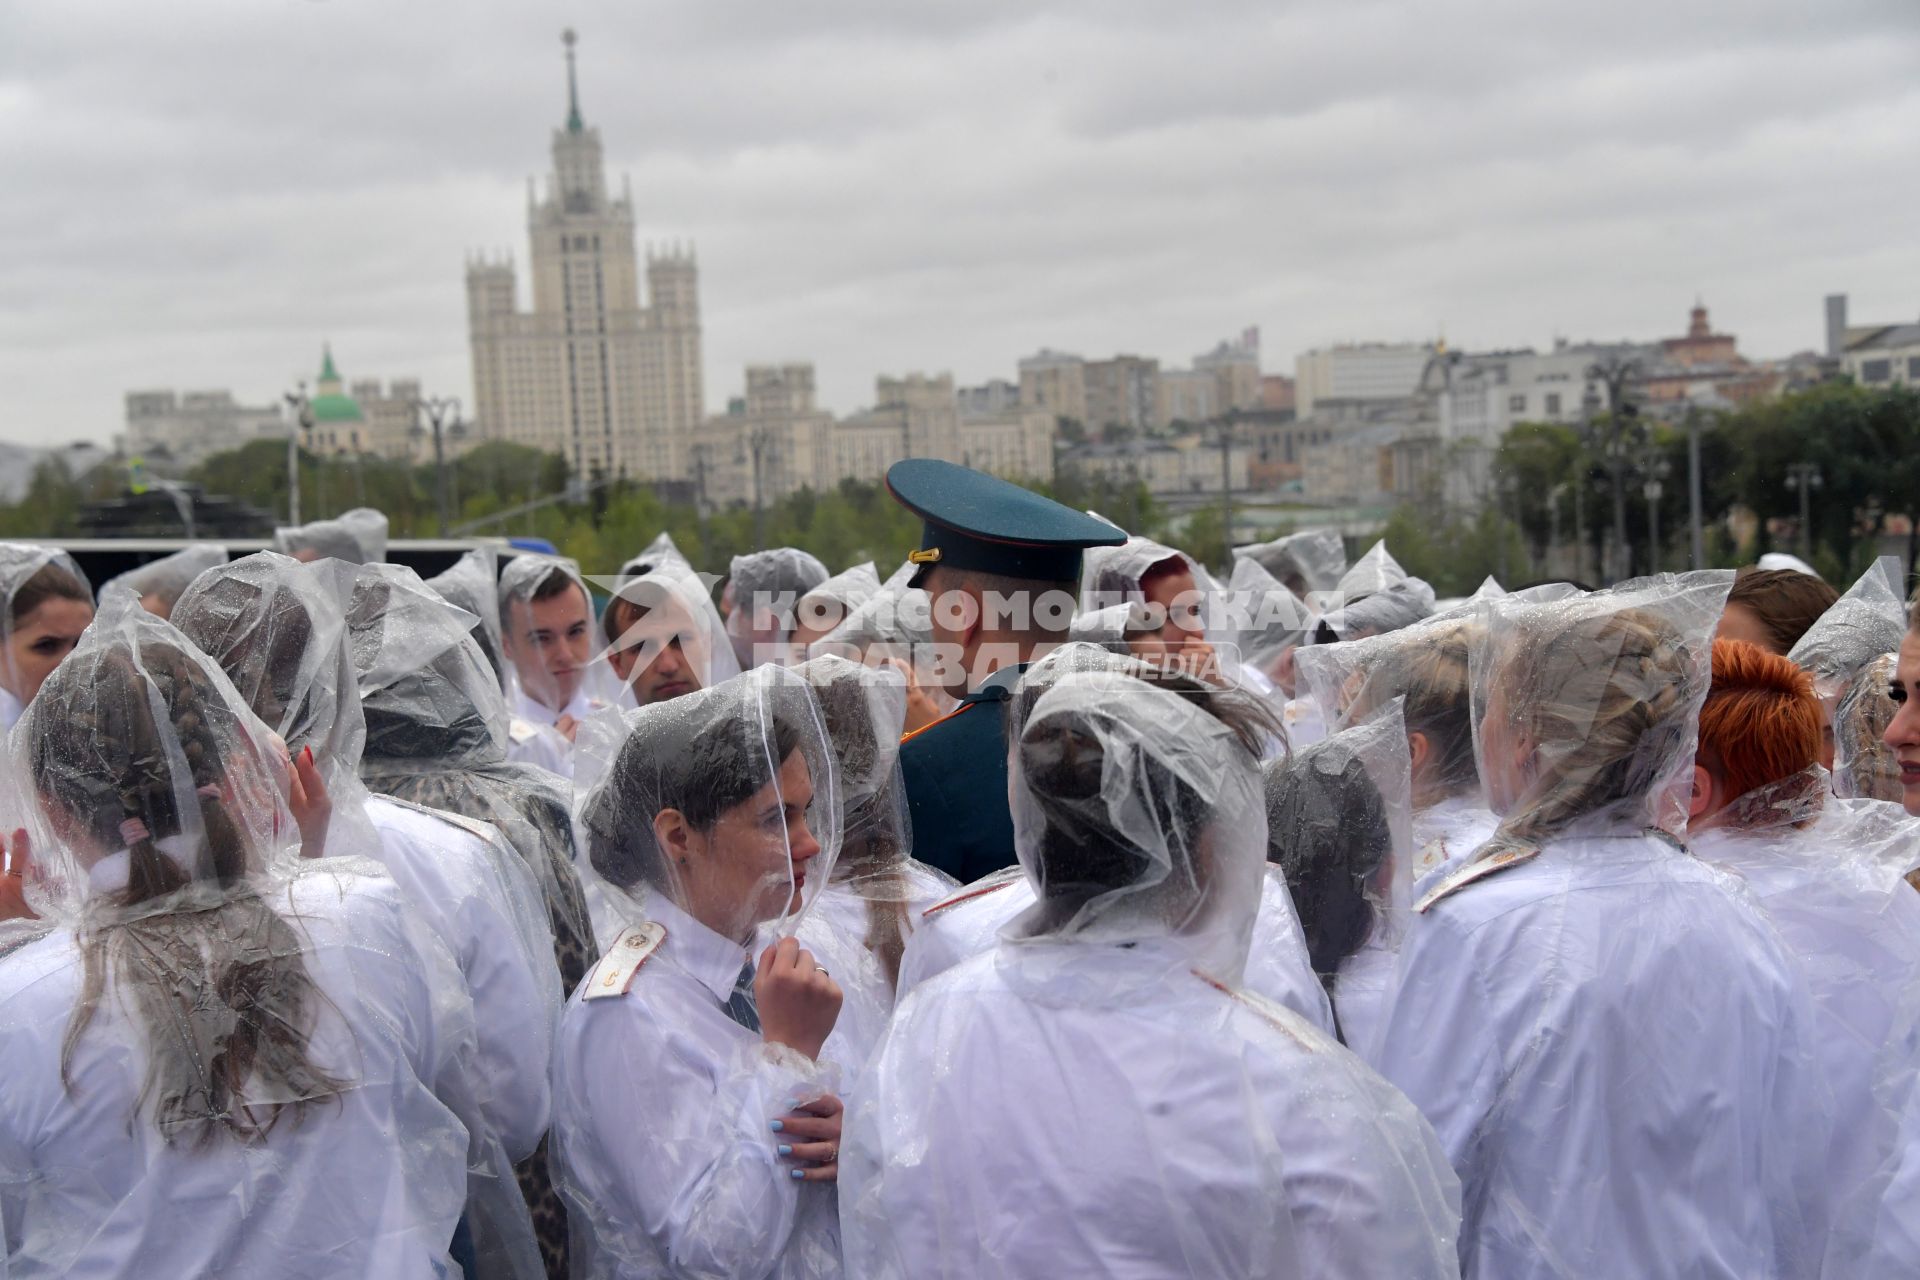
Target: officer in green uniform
{"x": 1002, "y": 565}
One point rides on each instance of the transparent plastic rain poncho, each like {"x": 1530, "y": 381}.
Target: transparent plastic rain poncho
{"x": 1612, "y": 1043}
{"x": 19, "y": 562}
{"x": 520, "y": 578}
{"x": 1340, "y": 830}
{"x": 1097, "y": 1095}
{"x": 766, "y": 586}
{"x": 665, "y": 1092}
{"x": 1424, "y": 666}
{"x": 278, "y": 628}
{"x": 1869, "y": 620}
{"x": 473, "y": 584}
{"x": 1377, "y": 596}
{"x": 1108, "y": 627}
{"x": 1818, "y": 870}
{"x": 662, "y": 551}
{"x": 831, "y": 603}
{"x": 437, "y": 736}
{"x": 860, "y": 926}
{"x": 891, "y": 623}
{"x": 1205, "y": 643}
{"x": 1274, "y": 621}
{"x": 677, "y": 607}
{"x": 223, "y": 1059}
{"x": 358, "y": 536}
{"x": 1864, "y": 766}
{"x": 159, "y": 583}
{"x": 1314, "y": 560}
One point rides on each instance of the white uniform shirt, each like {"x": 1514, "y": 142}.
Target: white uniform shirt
{"x": 1449, "y": 831}
{"x": 1859, "y": 945}
{"x": 1614, "y": 1049}
{"x": 369, "y": 1182}
{"x": 1074, "y": 1109}
{"x": 662, "y": 1137}
{"x": 482, "y": 901}
{"x": 532, "y": 738}
{"x": 834, "y": 930}
{"x": 1305, "y": 725}
{"x": 1278, "y": 966}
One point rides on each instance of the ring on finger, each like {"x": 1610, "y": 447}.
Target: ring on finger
{"x": 833, "y": 1153}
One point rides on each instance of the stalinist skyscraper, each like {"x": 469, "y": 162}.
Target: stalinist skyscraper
{"x": 588, "y": 373}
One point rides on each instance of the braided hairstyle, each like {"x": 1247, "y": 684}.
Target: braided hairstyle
{"x": 213, "y": 976}
{"x": 1608, "y": 703}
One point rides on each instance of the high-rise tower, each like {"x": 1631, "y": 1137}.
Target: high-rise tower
{"x": 588, "y": 373}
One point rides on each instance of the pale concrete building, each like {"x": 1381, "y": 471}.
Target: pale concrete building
{"x": 175, "y": 431}
{"x": 1056, "y": 382}
{"x": 1365, "y": 371}
{"x": 777, "y": 439}
{"x": 1235, "y": 367}
{"x": 1481, "y": 397}
{"x": 589, "y": 372}
{"x": 1890, "y": 356}
{"x": 1017, "y": 445}
{"x": 1185, "y": 466}
{"x": 1122, "y": 392}
{"x": 1187, "y": 395}
{"x": 990, "y": 399}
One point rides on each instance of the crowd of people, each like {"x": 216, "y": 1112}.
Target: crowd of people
{"x": 1048, "y": 906}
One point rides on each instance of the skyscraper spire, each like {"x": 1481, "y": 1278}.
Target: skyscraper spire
{"x": 574, "y": 123}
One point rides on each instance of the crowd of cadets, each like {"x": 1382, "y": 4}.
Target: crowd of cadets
{"x": 838, "y": 924}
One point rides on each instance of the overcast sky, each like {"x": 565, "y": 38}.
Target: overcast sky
{"x": 196, "y": 194}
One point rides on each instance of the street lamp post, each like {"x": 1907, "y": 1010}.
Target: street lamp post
{"x": 1656, "y": 472}
{"x": 1226, "y": 490}
{"x": 1614, "y": 373}
{"x": 1696, "y": 530}
{"x": 299, "y": 425}
{"x": 443, "y": 419}
{"x": 1805, "y": 476}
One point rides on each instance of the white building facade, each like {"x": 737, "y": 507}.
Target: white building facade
{"x": 1365, "y": 371}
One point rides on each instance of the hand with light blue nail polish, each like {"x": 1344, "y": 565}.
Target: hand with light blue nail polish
{"x": 814, "y": 1130}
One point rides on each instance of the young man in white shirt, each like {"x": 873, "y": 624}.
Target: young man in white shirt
{"x": 547, "y": 633}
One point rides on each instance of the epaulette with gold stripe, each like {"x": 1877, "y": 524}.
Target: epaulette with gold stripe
{"x": 613, "y": 976}
{"x": 1272, "y": 1012}
{"x": 978, "y": 889}
{"x": 1472, "y": 872}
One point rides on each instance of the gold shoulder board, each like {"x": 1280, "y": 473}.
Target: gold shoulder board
{"x": 1472, "y": 872}
{"x": 614, "y": 974}
{"x": 979, "y": 889}
{"x": 1272, "y": 1012}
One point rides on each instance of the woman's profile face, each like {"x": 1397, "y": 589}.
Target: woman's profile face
{"x": 753, "y": 863}
{"x": 39, "y": 642}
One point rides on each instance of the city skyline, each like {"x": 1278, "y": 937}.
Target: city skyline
{"x": 205, "y": 196}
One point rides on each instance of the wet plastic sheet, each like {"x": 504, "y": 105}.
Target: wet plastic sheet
{"x": 1001, "y": 1128}
{"x": 716, "y": 814}
{"x": 214, "y": 1030}
{"x": 1584, "y": 954}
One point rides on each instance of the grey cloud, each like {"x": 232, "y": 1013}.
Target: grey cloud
{"x": 198, "y": 194}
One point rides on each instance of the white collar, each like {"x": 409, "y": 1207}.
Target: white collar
{"x": 113, "y": 871}
{"x": 711, "y": 959}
